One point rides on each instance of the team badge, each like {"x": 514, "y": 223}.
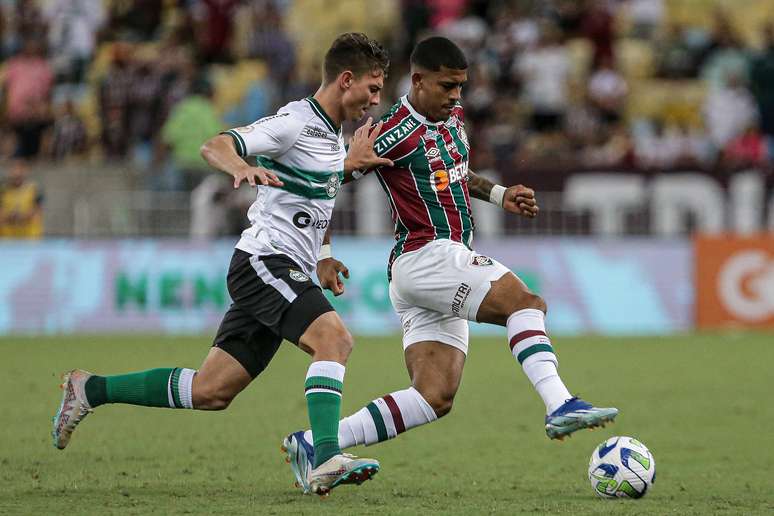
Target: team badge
{"x": 332, "y": 188}
{"x": 430, "y": 135}
{"x": 482, "y": 260}
{"x": 298, "y": 276}
{"x": 464, "y": 138}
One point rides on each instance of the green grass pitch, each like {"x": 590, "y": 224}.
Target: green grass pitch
{"x": 702, "y": 404}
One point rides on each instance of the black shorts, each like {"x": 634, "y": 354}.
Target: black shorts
{"x": 272, "y": 300}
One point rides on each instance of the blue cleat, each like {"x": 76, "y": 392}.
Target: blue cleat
{"x": 574, "y": 415}
{"x": 300, "y": 456}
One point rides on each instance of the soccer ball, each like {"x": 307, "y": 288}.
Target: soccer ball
{"x": 622, "y": 467}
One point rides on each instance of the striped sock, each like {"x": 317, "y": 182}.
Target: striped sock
{"x": 162, "y": 387}
{"x": 323, "y": 386}
{"x": 532, "y": 348}
{"x": 384, "y": 418}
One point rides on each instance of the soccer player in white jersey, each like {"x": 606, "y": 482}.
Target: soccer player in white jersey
{"x": 301, "y": 158}
{"x": 437, "y": 281}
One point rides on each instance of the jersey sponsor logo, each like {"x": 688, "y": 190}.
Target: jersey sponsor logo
{"x": 394, "y": 135}
{"x": 460, "y": 298}
{"x": 482, "y": 260}
{"x": 332, "y": 188}
{"x": 441, "y": 179}
{"x": 316, "y": 132}
{"x": 298, "y": 276}
{"x": 249, "y": 128}
{"x": 303, "y": 220}
{"x": 432, "y": 152}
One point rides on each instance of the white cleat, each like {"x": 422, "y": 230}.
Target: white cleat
{"x": 341, "y": 469}
{"x": 73, "y": 409}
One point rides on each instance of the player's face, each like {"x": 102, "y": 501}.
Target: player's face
{"x": 438, "y": 92}
{"x": 363, "y": 92}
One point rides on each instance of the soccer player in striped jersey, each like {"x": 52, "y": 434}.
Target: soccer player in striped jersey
{"x": 437, "y": 281}
{"x": 302, "y": 159}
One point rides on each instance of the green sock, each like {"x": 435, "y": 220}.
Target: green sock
{"x": 163, "y": 387}
{"x": 323, "y": 388}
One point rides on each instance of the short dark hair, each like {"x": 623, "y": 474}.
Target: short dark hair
{"x": 435, "y": 52}
{"x": 356, "y": 52}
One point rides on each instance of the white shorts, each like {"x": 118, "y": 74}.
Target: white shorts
{"x": 437, "y": 289}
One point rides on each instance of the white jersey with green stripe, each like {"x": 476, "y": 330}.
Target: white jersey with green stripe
{"x": 305, "y": 149}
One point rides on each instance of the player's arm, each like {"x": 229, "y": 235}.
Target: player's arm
{"x": 271, "y": 136}
{"x": 328, "y": 268}
{"x": 515, "y": 199}
{"x": 220, "y": 153}
{"x": 361, "y": 155}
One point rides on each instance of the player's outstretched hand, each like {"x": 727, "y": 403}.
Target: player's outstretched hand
{"x": 256, "y": 176}
{"x": 361, "y": 154}
{"x": 328, "y": 273}
{"x": 521, "y": 200}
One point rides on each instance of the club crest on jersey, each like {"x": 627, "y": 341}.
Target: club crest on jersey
{"x": 464, "y": 138}
{"x": 482, "y": 260}
{"x": 298, "y": 276}
{"x": 453, "y": 121}
{"x": 439, "y": 180}
{"x": 430, "y": 135}
{"x": 332, "y": 188}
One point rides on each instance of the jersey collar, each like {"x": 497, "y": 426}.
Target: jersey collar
{"x": 422, "y": 119}
{"x": 320, "y": 112}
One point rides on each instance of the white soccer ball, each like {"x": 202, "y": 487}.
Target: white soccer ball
{"x": 622, "y": 467}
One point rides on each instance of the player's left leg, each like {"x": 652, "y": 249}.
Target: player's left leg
{"x": 508, "y": 302}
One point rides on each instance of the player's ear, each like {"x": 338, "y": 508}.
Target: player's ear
{"x": 416, "y": 79}
{"x": 346, "y": 79}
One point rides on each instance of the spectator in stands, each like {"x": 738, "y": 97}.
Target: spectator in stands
{"x": 543, "y": 73}
{"x": 646, "y": 17}
{"x": 68, "y": 135}
{"x": 191, "y": 122}
{"x": 72, "y": 35}
{"x": 762, "y": 86}
{"x": 269, "y": 41}
{"x": 611, "y": 147}
{"x": 26, "y": 20}
{"x": 27, "y": 88}
{"x": 607, "y": 91}
{"x": 138, "y": 20}
{"x": 729, "y": 110}
{"x": 598, "y": 27}
{"x": 727, "y": 56}
{"x": 145, "y": 100}
{"x": 115, "y": 92}
{"x": 214, "y": 26}
{"x": 746, "y": 150}
{"x": 21, "y": 203}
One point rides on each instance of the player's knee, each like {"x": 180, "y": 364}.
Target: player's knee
{"x": 534, "y": 301}
{"x": 335, "y": 345}
{"x": 441, "y": 402}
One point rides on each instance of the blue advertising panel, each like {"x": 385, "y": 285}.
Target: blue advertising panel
{"x": 630, "y": 286}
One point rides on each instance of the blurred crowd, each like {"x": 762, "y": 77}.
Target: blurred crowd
{"x": 554, "y": 84}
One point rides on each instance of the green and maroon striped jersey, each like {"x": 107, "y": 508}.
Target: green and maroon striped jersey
{"x": 427, "y": 186}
